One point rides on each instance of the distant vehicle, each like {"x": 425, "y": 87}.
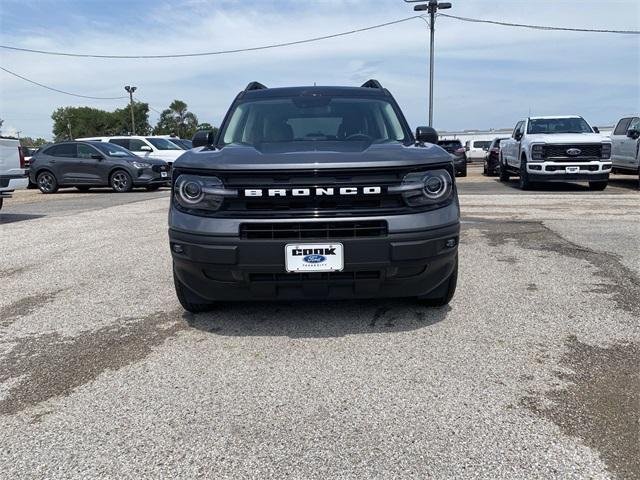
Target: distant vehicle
{"x": 13, "y": 174}
{"x": 28, "y": 153}
{"x": 458, "y": 155}
{"x": 556, "y": 149}
{"x": 145, "y": 146}
{"x": 492, "y": 157}
{"x": 95, "y": 164}
{"x": 476, "y": 149}
{"x": 182, "y": 142}
{"x": 625, "y": 146}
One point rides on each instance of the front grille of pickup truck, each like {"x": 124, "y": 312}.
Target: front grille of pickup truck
{"x": 312, "y": 230}
{"x": 293, "y": 278}
{"x": 312, "y": 205}
{"x": 559, "y": 152}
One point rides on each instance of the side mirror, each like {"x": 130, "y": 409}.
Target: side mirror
{"x": 202, "y": 138}
{"x": 596, "y": 129}
{"x": 634, "y": 134}
{"x": 426, "y": 135}
{"x": 97, "y": 156}
{"x": 146, "y": 148}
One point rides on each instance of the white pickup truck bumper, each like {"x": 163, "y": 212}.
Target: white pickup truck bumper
{"x": 595, "y": 170}
{"x": 9, "y": 183}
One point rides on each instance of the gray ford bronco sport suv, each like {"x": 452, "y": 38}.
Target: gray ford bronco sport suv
{"x": 314, "y": 192}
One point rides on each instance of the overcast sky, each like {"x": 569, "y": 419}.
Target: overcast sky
{"x": 486, "y": 76}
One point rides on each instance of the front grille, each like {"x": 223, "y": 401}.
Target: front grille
{"x": 288, "y": 278}
{"x": 312, "y": 230}
{"x": 559, "y": 152}
{"x": 161, "y": 168}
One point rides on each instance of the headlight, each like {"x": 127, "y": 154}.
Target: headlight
{"x": 606, "y": 151}
{"x": 425, "y": 188}
{"x": 195, "y": 192}
{"x": 537, "y": 152}
{"x": 141, "y": 165}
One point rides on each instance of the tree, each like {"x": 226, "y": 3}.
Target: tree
{"x": 75, "y": 122}
{"x": 31, "y": 142}
{"x": 177, "y": 120}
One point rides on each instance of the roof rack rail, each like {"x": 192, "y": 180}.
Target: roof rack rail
{"x": 255, "y": 86}
{"x": 371, "y": 84}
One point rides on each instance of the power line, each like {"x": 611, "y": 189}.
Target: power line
{"x": 219, "y": 52}
{"x": 540, "y": 27}
{"x": 57, "y": 90}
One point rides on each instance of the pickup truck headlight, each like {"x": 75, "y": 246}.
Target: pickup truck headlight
{"x": 195, "y": 192}
{"x": 537, "y": 152}
{"x": 606, "y": 151}
{"x": 425, "y": 188}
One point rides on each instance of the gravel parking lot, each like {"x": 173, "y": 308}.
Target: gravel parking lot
{"x": 531, "y": 371}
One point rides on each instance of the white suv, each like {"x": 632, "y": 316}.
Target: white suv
{"x": 625, "y": 146}
{"x": 145, "y": 146}
{"x": 13, "y": 174}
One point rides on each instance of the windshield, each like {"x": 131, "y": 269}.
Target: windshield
{"x": 481, "y": 144}
{"x": 163, "y": 144}
{"x": 318, "y": 119}
{"x": 558, "y": 125}
{"x": 113, "y": 150}
{"x": 450, "y": 143}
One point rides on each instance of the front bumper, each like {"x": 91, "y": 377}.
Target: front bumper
{"x": 395, "y": 265}
{"x": 147, "y": 176}
{"x": 593, "y": 171}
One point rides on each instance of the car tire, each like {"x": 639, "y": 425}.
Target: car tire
{"x": 83, "y": 189}
{"x": 597, "y": 186}
{"x": 189, "y": 300}
{"x": 463, "y": 172}
{"x": 1, "y": 202}
{"x": 445, "y": 291}
{"x": 152, "y": 188}
{"x": 504, "y": 174}
{"x": 485, "y": 170}
{"x": 523, "y": 181}
{"x": 47, "y": 182}
{"x": 121, "y": 181}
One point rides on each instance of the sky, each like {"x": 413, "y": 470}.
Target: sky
{"x": 486, "y": 76}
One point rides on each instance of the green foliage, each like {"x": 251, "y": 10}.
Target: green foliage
{"x": 32, "y": 142}
{"x": 177, "y": 120}
{"x": 92, "y": 122}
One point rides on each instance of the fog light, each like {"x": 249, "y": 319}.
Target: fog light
{"x": 451, "y": 243}
{"x": 177, "y": 248}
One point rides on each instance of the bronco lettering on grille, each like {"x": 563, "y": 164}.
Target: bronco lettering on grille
{"x": 308, "y": 192}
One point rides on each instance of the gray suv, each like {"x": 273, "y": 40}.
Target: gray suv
{"x": 314, "y": 193}
{"x": 95, "y": 164}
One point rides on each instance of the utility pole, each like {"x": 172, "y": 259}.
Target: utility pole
{"x": 133, "y": 121}
{"x": 432, "y": 7}
{"x": 69, "y": 127}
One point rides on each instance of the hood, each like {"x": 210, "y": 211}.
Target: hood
{"x": 168, "y": 155}
{"x": 305, "y": 155}
{"x": 564, "y": 138}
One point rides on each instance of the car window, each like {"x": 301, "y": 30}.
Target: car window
{"x": 481, "y": 144}
{"x": 622, "y": 127}
{"x": 135, "y": 145}
{"x": 123, "y": 142}
{"x": 64, "y": 150}
{"x": 163, "y": 144}
{"x": 518, "y": 128}
{"x": 85, "y": 151}
{"x": 635, "y": 124}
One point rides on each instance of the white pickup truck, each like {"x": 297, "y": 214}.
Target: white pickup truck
{"x": 561, "y": 148}
{"x": 13, "y": 174}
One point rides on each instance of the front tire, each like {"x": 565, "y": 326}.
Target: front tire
{"x": 463, "y": 172}
{"x": 446, "y": 290}
{"x": 597, "y": 186}
{"x": 121, "y": 181}
{"x": 504, "y": 174}
{"x": 189, "y": 300}
{"x": 47, "y": 182}
{"x": 524, "y": 182}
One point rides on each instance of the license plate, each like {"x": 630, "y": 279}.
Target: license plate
{"x": 573, "y": 169}
{"x": 163, "y": 174}
{"x": 314, "y": 257}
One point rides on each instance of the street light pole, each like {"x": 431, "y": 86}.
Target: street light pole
{"x": 133, "y": 121}
{"x": 432, "y": 7}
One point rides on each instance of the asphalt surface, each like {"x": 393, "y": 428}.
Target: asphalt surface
{"x": 532, "y": 371}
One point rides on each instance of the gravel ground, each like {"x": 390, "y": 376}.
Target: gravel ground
{"x": 531, "y": 372}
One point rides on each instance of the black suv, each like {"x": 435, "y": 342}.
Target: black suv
{"x": 89, "y": 164}
{"x": 314, "y": 192}
{"x": 458, "y": 155}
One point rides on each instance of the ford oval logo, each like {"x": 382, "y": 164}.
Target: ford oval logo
{"x": 314, "y": 258}
{"x": 574, "y": 152}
